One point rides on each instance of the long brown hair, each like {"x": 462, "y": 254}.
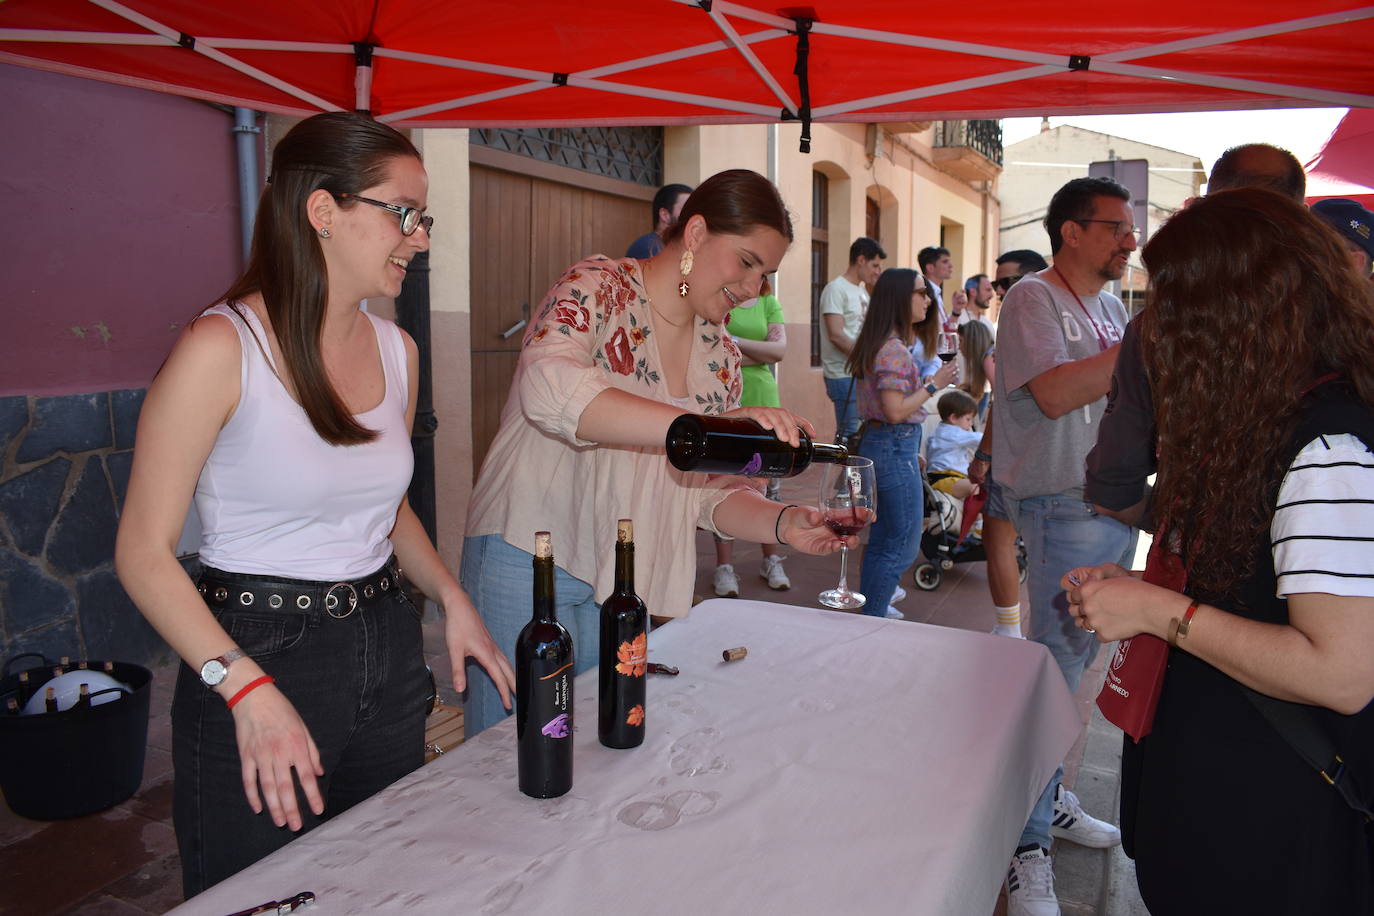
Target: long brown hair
{"x": 1251, "y": 301}
{"x": 976, "y": 341}
{"x": 343, "y": 153}
{"x": 928, "y": 328}
{"x": 889, "y": 312}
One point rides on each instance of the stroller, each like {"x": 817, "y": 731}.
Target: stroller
{"x": 940, "y": 544}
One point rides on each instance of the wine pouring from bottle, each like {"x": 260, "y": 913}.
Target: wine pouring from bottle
{"x": 738, "y": 445}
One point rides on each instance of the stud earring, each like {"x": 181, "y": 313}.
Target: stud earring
{"x": 324, "y": 233}
{"x": 685, "y": 268}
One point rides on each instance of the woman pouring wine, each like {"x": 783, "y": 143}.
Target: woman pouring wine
{"x": 616, "y": 352}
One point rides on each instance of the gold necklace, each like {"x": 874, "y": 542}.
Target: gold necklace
{"x": 650, "y": 300}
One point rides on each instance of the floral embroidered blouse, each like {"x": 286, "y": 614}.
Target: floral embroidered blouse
{"x": 593, "y": 331}
{"x": 895, "y": 369}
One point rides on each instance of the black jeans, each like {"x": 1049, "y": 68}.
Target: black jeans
{"x": 359, "y": 684}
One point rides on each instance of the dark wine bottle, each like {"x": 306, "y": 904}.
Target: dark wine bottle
{"x": 738, "y": 445}
{"x": 624, "y": 651}
{"x": 544, "y": 688}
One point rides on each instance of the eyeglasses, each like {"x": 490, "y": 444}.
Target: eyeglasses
{"x": 411, "y": 218}
{"x": 1119, "y": 227}
{"x": 1005, "y": 283}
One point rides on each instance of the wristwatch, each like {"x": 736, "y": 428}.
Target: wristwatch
{"x": 213, "y": 672}
{"x": 931, "y": 389}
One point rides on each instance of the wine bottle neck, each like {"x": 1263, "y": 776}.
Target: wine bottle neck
{"x": 625, "y": 568}
{"x": 544, "y": 607}
{"x": 828, "y": 452}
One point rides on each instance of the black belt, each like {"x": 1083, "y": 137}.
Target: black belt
{"x": 242, "y": 591}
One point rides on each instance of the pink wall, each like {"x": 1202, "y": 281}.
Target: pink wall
{"x": 121, "y": 224}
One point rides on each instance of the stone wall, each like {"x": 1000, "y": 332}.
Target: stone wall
{"x": 64, "y": 471}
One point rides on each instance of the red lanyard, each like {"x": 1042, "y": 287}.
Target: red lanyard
{"x": 1102, "y": 340}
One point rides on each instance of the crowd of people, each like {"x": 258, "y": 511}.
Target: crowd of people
{"x": 284, "y": 412}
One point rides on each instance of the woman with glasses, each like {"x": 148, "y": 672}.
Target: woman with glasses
{"x": 285, "y": 412}
{"x": 1262, "y": 748}
{"x": 618, "y": 350}
{"x": 892, "y": 402}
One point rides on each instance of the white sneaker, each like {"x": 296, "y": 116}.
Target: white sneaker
{"x": 894, "y": 614}
{"x": 898, "y": 595}
{"x": 1030, "y": 885}
{"x": 1074, "y": 824}
{"x": 771, "y": 569}
{"x": 726, "y": 582}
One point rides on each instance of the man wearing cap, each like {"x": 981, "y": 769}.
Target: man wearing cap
{"x": 1353, "y": 224}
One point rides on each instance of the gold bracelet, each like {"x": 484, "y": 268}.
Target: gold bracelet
{"x": 1178, "y": 629}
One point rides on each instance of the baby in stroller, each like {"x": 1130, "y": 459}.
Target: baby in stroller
{"x": 948, "y": 538}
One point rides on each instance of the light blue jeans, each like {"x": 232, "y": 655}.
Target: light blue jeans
{"x": 896, "y": 534}
{"x": 1061, "y": 532}
{"x": 500, "y": 580}
{"x": 844, "y": 394}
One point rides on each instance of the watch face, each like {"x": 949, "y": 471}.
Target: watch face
{"x": 212, "y": 672}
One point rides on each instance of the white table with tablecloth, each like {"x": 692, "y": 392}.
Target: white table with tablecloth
{"x": 847, "y": 764}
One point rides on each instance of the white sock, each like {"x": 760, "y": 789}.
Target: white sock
{"x": 1009, "y": 622}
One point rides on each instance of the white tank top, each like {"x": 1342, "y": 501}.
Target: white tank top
{"x": 277, "y": 500}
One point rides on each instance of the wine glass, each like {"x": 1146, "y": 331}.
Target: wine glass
{"x": 947, "y": 345}
{"x": 848, "y": 499}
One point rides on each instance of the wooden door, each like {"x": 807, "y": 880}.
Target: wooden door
{"x": 526, "y": 232}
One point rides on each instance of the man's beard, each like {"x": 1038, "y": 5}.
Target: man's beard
{"x": 1111, "y": 271}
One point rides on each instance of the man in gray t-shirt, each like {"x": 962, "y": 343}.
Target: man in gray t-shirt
{"x": 1057, "y": 340}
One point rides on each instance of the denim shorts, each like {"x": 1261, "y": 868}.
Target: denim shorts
{"x": 360, "y": 685}
{"x": 996, "y": 506}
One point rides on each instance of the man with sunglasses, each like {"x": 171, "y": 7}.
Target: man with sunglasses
{"x": 1057, "y": 341}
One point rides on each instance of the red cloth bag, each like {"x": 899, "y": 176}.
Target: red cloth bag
{"x": 1135, "y": 676}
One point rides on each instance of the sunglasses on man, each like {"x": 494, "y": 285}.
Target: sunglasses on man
{"x": 1005, "y": 283}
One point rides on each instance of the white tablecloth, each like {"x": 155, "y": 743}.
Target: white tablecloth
{"x": 847, "y": 765}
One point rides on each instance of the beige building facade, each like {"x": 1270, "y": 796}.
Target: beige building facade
{"x": 1038, "y": 166}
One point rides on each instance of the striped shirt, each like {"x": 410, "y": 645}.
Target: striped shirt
{"x": 1323, "y": 528}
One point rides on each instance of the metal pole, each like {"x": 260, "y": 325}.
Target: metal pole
{"x": 245, "y": 140}
{"x": 412, "y": 314}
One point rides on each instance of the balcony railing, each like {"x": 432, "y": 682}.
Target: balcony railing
{"x": 983, "y": 137}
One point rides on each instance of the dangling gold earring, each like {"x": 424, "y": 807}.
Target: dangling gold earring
{"x": 685, "y": 268}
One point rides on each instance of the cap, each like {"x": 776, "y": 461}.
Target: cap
{"x": 1348, "y": 218}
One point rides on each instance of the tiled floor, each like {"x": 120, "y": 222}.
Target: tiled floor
{"x": 123, "y": 862}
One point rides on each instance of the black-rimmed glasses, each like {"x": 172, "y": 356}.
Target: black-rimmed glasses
{"x": 411, "y": 218}
{"x": 1119, "y": 227}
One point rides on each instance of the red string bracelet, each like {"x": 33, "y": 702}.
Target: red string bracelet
{"x": 248, "y": 688}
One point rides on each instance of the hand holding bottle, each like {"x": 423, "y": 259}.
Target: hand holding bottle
{"x": 782, "y": 423}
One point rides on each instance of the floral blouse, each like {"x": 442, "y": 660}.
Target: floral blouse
{"x": 893, "y": 369}
{"x": 593, "y": 331}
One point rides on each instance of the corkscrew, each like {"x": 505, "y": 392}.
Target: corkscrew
{"x": 289, "y": 905}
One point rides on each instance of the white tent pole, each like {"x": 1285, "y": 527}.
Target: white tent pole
{"x": 669, "y": 96}
{"x": 752, "y": 60}
{"x": 218, "y": 56}
{"x": 1326, "y": 96}
{"x": 978, "y": 82}
{"x": 83, "y": 38}
{"x": 680, "y": 54}
{"x": 1223, "y": 38}
{"x": 464, "y": 101}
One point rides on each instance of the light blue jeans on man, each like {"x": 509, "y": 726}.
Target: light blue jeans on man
{"x": 844, "y": 395}
{"x": 499, "y": 579}
{"x": 1061, "y": 532}
{"x": 896, "y": 534}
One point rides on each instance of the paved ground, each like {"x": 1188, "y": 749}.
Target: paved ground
{"x": 123, "y": 862}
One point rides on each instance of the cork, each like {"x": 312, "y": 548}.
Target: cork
{"x": 543, "y": 544}
{"x": 733, "y": 655}
{"x": 625, "y": 531}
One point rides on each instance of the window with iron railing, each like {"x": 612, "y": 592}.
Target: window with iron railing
{"x": 982, "y": 136}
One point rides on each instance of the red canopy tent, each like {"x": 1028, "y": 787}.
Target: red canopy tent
{"x": 436, "y": 64}
{"x": 1345, "y": 165}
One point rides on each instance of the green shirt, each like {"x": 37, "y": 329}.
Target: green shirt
{"x": 751, "y": 323}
